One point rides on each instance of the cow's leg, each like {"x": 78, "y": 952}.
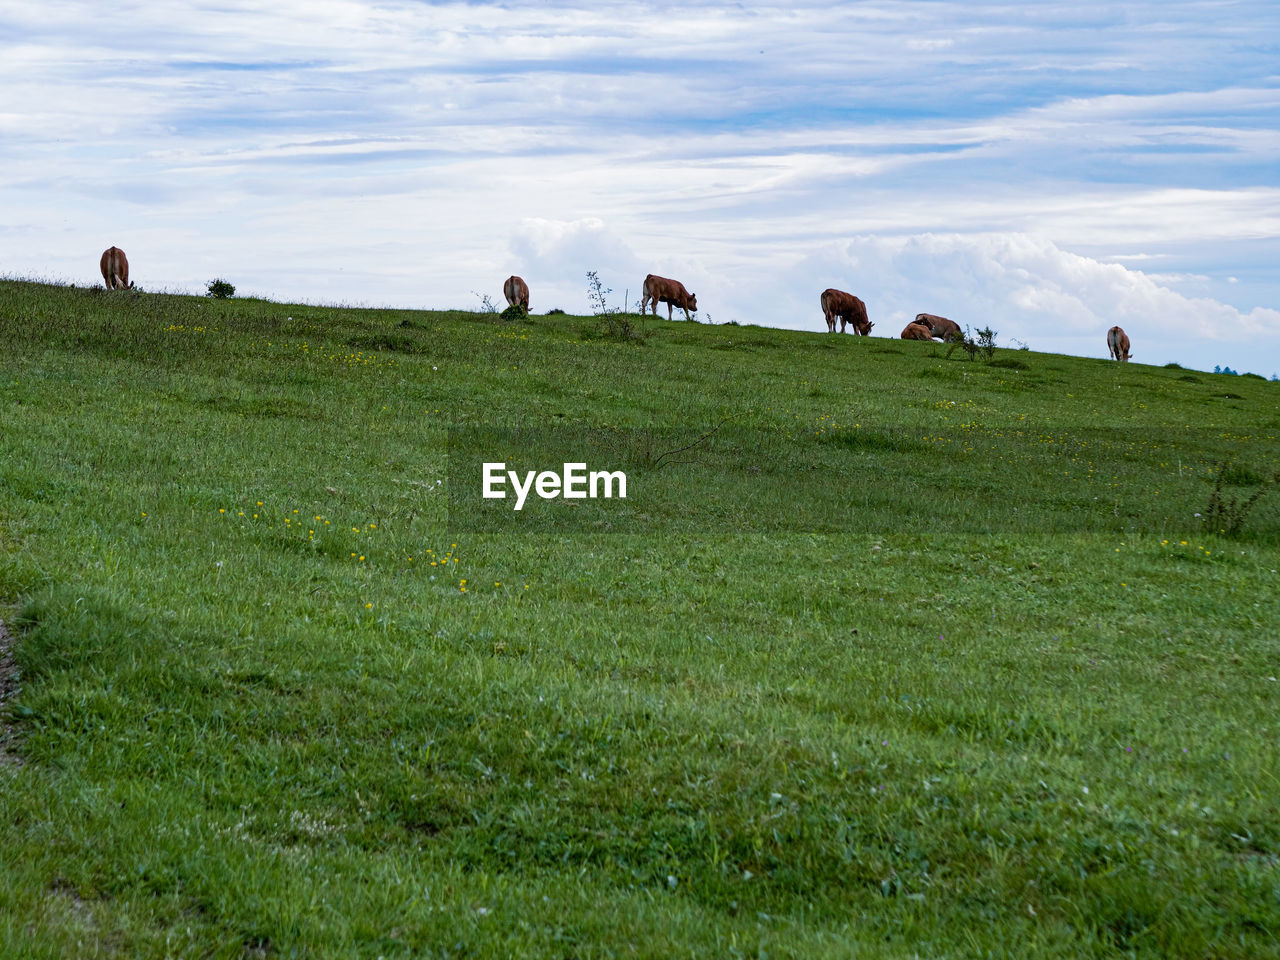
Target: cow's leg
{"x": 687, "y": 318}
{"x": 669, "y": 309}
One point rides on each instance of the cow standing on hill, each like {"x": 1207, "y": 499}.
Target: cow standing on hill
{"x": 940, "y": 327}
{"x": 115, "y": 269}
{"x": 670, "y": 292}
{"x": 837, "y": 303}
{"x": 517, "y": 292}
{"x": 1118, "y": 344}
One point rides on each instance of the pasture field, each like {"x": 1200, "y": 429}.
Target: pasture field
{"x": 904, "y": 656}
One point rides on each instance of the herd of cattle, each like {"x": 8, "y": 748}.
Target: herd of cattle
{"x": 836, "y": 304}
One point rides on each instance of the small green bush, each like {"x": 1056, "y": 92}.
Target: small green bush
{"x": 220, "y": 290}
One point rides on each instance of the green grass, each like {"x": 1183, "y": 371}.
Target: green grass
{"x": 914, "y": 656}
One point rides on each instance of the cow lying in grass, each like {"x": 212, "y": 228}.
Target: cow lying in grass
{"x": 940, "y": 327}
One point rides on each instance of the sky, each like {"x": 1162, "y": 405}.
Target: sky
{"x": 1044, "y": 169}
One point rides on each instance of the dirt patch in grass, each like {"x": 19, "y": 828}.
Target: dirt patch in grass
{"x": 8, "y": 689}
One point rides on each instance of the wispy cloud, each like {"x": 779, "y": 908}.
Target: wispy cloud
{"x": 923, "y": 154}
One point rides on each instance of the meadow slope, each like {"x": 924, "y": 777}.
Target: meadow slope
{"x": 904, "y": 655}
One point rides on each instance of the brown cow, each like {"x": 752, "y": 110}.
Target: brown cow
{"x": 1118, "y": 344}
{"x": 115, "y": 269}
{"x": 670, "y": 292}
{"x": 837, "y": 303}
{"x": 940, "y": 327}
{"x": 517, "y": 292}
{"x": 917, "y": 331}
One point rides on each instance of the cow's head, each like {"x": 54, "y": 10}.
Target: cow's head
{"x": 864, "y": 327}
{"x": 693, "y": 302}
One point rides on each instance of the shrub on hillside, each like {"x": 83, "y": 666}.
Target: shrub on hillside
{"x": 982, "y": 343}
{"x": 220, "y": 290}
{"x": 614, "y": 323}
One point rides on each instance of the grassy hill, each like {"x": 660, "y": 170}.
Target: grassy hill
{"x": 886, "y": 653}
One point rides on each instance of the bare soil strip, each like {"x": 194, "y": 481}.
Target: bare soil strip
{"x": 9, "y": 755}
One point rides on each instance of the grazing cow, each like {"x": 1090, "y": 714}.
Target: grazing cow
{"x": 837, "y": 303}
{"x": 517, "y": 292}
{"x": 1118, "y": 344}
{"x": 917, "y": 331}
{"x": 670, "y": 292}
{"x": 115, "y": 269}
{"x": 940, "y": 327}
